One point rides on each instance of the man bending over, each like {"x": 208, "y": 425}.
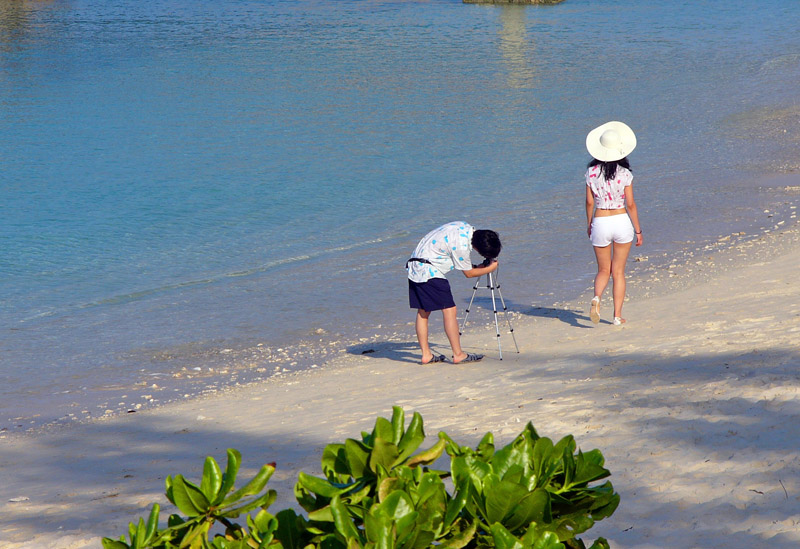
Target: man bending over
{"x": 444, "y": 249}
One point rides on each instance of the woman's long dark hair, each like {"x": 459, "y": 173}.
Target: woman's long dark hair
{"x": 609, "y": 169}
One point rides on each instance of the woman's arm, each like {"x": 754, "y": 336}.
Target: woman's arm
{"x": 630, "y": 205}
{"x": 589, "y": 210}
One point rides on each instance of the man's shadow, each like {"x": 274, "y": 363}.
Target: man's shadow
{"x": 401, "y": 351}
{"x": 408, "y": 351}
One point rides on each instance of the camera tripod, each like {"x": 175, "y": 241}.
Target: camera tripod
{"x": 491, "y": 284}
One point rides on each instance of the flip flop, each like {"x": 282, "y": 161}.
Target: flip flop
{"x": 436, "y": 358}
{"x": 594, "y": 310}
{"x": 471, "y": 357}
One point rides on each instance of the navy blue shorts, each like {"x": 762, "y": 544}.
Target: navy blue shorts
{"x": 433, "y": 295}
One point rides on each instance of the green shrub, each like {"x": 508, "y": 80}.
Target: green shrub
{"x": 378, "y": 493}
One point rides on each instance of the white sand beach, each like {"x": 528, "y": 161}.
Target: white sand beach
{"x": 695, "y": 404}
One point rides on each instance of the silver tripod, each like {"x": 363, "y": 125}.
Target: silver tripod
{"x": 491, "y": 284}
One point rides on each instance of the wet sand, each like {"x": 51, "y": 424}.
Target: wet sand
{"x": 695, "y": 404}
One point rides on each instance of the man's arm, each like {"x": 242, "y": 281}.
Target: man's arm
{"x": 480, "y": 271}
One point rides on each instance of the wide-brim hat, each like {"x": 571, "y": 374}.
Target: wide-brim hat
{"x": 610, "y": 142}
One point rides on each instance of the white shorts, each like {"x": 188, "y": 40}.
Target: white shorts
{"x": 612, "y": 228}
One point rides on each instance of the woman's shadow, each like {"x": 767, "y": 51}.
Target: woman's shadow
{"x": 574, "y": 317}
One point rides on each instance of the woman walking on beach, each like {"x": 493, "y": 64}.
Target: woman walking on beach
{"x": 611, "y": 215}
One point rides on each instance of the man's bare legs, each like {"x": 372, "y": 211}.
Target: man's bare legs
{"x": 421, "y": 326}
{"x": 450, "y": 329}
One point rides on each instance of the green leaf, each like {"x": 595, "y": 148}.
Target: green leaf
{"x": 428, "y": 456}
{"x": 412, "y": 438}
{"x": 471, "y": 468}
{"x": 533, "y": 507}
{"x": 503, "y": 539}
{"x": 398, "y": 423}
{"x": 458, "y": 502}
{"x": 543, "y": 461}
{"x": 264, "y": 501}
{"x": 518, "y": 453}
{"x": 342, "y": 520}
{"x": 357, "y": 457}
{"x": 429, "y": 486}
{"x": 109, "y": 543}
{"x": 541, "y": 539}
{"x": 600, "y": 543}
{"x": 378, "y": 529}
{"x": 531, "y": 432}
{"x": 565, "y": 444}
{"x": 188, "y": 497}
{"x": 152, "y": 521}
{"x": 319, "y": 486}
{"x": 461, "y": 538}
{"x": 212, "y": 479}
{"x": 253, "y": 487}
{"x": 383, "y": 429}
{"x": 384, "y": 454}
{"x": 357, "y": 495}
{"x": 288, "y": 532}
{"x": 587, "y": 469}
{"x": 195, "y": 536}
{"x": 264, "y": 521}
{"x": 485, "y": 448}
{"x": 606, "y": 510}
{"x": 501, "y": 498}
{"x": 387, "y": 486}
{"x": 229, "y": 477}
{"x": 334, "y": 460}
{"x": 397, "y": 506}
{"x": 323, "y": 514}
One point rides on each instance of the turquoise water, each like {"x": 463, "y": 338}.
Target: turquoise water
{"x": 197, "y": 185}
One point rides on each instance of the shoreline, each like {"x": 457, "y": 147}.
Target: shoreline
{"x": 694, "y": 404}
{"x": 224, "y": 369}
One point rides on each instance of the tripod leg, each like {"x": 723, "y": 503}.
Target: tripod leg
{"x": 505, "y": 314}
{"x": 494, "y": 308}
{"x": 466, "y": 312}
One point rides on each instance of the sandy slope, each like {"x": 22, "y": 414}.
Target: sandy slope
{"x": 694, "y": 404}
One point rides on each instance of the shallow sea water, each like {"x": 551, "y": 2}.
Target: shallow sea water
{"x": 202, "y": 194}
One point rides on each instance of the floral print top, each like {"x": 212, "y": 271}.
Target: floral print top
{"x": 608, "y": 195}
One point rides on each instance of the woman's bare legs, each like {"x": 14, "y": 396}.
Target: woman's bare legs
{"x": 620, "y": 257}
{"x": 611, "y": 264}
{"x": 603, "y": 256}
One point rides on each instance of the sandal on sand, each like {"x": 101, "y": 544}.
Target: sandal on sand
{"x": 619, "y": 321}
{"x": 594, "y": 309}
{"x": 436, "y": 358}
{"x": 471, "y": 357}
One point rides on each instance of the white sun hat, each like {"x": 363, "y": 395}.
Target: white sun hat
{"x": 610, "y": 142}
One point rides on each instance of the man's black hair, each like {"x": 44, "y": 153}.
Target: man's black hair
{"x": 487, "y": 243}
